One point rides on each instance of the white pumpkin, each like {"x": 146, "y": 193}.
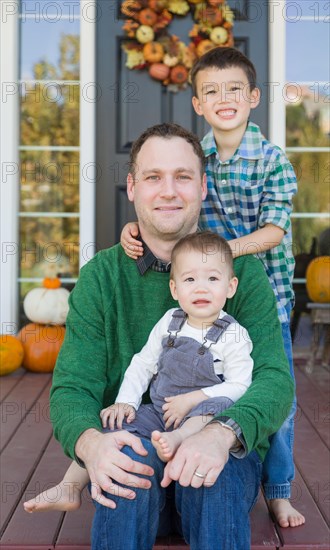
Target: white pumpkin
{"x": 47, "y": 305}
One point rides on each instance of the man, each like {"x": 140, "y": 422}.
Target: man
{"x": 113, "y": 307}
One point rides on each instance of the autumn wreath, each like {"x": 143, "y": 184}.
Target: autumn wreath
{"x": 167, "y": 58}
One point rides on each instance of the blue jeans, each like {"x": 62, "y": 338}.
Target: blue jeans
{"x": 278, "y": 467}
{"x": 211, "y": 517}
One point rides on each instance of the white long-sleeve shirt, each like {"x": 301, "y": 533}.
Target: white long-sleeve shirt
{"x": 231, "y": 359}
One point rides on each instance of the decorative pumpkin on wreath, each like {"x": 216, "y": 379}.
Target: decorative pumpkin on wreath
{"x": 164, "y": 55}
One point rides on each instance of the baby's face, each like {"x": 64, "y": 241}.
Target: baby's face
{"x": 202, "y": 283}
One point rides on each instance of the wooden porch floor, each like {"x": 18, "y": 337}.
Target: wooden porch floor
{"x": 32, "y": 461}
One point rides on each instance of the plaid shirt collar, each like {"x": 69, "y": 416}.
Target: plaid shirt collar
{"x": 250, "y": 147}
{"x": 149, "y": 261}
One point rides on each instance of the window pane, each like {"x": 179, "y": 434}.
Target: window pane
{"x": 49, "y": 114}
{"x": 304, "y": 231}
{"x": 312, "y": 170}
{"x": 307, "y": 51}
{"x": 49, "y": 242}
{"x": 49, "y": 181}
{"x": 50, "y": 8}
{"x": 49, "y": 50}
{"x": 307, "y": 116}
{"x": 318, "y": 9}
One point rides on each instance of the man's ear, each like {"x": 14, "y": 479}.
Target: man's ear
{"x": 197, "y": 106}
{"x": 233, "y": 283}
{"x": 130, "y": 187}
{"x": 255, "y": 98}
{"x": 204, "y": 186}
{"x": 173, "y": 289}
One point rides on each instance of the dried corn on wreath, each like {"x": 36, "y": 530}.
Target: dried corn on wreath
{"x": 167, "y": 58}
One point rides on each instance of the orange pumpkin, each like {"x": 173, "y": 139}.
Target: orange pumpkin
{"x": 153, "y": 52}
{"x": 179, "y": 74}
{"x": 41, "y": 345}
{"x": 204, "y": 46}
{"x": 318, "y": 279}
{"x": 147, "y": 17}
{"x": 157, "y": 5}
{"x": 159, "y": 71}
{"x": 51, "y": 282}
{"x": 11, "y": 354}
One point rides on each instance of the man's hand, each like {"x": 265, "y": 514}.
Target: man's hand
{"x": 178, "y": 406}
{"x": 117, "y": 412}
{"x": 205, "y": 453}
{"x": 104, "y": 461}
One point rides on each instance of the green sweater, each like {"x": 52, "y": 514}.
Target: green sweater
{"x": 112, "y": 311}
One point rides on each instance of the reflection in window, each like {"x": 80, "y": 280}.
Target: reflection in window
{"x": 49, "y": 181}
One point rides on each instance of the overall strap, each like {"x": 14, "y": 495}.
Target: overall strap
{"x": 215, "y": 332}
{"x": 177, "y": 321}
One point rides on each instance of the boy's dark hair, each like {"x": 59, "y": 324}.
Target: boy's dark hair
{"x": 224, "y": 58}
{"x": 207, "y": 243}
{"x": 167, "y": 131}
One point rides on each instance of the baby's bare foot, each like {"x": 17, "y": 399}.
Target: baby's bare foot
{"x": 286, "y": 515}
{"x": 166, "y": 443}
{"x": 64, "y": 497}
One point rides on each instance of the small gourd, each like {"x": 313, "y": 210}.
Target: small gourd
{"x": 49, "y": 304}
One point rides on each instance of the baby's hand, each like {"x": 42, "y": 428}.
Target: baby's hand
{"x": 117, "y": 412}
{"x": 133, "y": 248}
{"x": 175, "y": 409}
{"x": 178, "y": 406}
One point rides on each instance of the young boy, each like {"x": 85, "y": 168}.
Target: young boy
{"x": 197, "y": 359}
{"x": 250, "y": 188}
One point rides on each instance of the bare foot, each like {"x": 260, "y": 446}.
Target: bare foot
{"x": 166, "y": 443}
{"x": 285, "y": 514}
{"x": 64, "y": 497}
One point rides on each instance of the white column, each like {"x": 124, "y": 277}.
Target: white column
{"x": 9, "y": 159}
{"x": 88, "y": 98}
{"x": 277, "y": 72}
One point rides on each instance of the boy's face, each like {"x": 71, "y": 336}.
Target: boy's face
{"x": 201, "y": 284}
{"x": 224, "y": 98}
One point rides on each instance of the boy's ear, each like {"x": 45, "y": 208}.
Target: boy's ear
{"x": 173, "y": 289}
{"x": 197, "y": 106}
{"x": 255, "y": 98}
{"x": 130, "y": 187}
{"x": 233, "y": 283}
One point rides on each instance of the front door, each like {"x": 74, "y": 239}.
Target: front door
{"x": 129, "y": 101}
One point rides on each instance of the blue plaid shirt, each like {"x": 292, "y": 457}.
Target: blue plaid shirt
{"x": 251, "y": 189}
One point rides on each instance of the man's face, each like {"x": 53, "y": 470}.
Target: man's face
{"x": 167, "y": 189}
{"x": 224, "y": 98}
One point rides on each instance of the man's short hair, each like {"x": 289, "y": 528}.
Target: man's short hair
{"x": 167, "y": 131}
{"x": 224, "y": 58}
{"x": 207, "y": 243}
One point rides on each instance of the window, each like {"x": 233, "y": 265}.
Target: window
{"x": 49, "y": 142}
{"x": 307, "y": 98}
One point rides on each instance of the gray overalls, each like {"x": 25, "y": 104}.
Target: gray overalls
{"x": 184, "y": 366}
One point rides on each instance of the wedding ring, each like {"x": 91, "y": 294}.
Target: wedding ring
{"x": 199, "y": 475}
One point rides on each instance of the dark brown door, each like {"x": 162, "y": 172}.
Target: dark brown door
{"x": 130, "y": 101}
